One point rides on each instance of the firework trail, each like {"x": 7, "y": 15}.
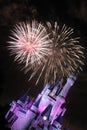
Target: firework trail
{"x": 50, "y": 51}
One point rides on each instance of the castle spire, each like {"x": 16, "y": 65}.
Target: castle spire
{"x": 55, "y": 89}
{"x": 46, "y": 112}
{"x": 24, "y": 99}
{"x": 53, "y": 86}
{"x": 37, "y": 103}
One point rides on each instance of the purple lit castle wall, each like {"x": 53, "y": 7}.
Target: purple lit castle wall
{"x": 45, "y": 113}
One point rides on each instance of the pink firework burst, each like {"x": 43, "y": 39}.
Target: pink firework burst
{"x": 30, "y": 43}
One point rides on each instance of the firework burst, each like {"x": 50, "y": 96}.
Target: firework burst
{"x": 66, "y": 56}
{"x": 50, "y": 51}
{"x": 30, "y": 43}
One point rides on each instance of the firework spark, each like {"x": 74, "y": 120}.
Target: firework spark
{"x": 50, "y": 51}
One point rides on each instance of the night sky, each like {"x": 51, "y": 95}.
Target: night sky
{"x": 13, "y": 82}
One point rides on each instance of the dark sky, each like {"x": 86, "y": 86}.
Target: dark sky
{"x": 13, "y": 82}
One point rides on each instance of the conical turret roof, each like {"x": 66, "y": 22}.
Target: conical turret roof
{"x": 37, "y": 103}
{"x": 47, "y": 111}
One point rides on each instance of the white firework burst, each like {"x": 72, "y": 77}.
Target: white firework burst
{"x": 66, "y": 56}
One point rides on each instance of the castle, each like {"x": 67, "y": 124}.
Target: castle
{"x": 45, "y": 113}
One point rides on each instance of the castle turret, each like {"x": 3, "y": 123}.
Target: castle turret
{"x": 68, "y": 85}
{"x": 60, "y": 99}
